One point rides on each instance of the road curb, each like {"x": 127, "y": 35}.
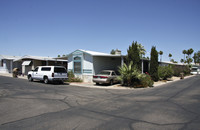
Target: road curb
{"x": 87, "y": 85}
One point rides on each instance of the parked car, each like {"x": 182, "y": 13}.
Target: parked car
{"x": 195, "y": 70}
{"x": 106, "y": 77}
{"x": 48, "y": 73}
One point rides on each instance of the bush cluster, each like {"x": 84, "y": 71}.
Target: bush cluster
{"x": 145, "y": 80}
{"x": 165, "y": 72}
{"x": 181, "y": 69}
{"x": 132, "y": 77}
{"x": 72, "y": 78}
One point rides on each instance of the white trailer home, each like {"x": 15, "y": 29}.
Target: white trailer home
{"x": 85, "y": 64}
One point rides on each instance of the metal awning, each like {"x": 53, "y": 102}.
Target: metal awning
{"x": 26, "y": 63}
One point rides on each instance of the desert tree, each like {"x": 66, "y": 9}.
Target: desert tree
{"x": 134, "y": 55}
{"x": 154, "y": 64}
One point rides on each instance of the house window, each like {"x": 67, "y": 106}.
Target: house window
{"x": 77, "y": 65}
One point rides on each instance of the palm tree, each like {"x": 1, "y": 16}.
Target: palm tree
{"x": 182, "y": 61}
{"x": 189, "y": 52}
{"x": 195, "y": 57}
{"x": 161, "y": 53}
{"x": 170, "y": 55}
{"x": 141, "y": 49}
{"x": 184, "y": 52}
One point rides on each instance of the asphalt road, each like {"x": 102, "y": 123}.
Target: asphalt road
{"x": 37, "y": 106}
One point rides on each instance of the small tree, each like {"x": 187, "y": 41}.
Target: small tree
{"x": 134, "y": 55}
{"x": 112, "y": 52}
{"x": 172, "y": 60}
{"x": 170, "y": 55}
{"x": 196, "y": 57}
{"x": 154, "y": 64}
{"x": 58, "y": 55}
{"x": 141, "y": 49}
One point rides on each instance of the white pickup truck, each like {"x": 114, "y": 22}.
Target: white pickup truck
{"x": 195, "y": 70}
{"x": 48, "y": 73}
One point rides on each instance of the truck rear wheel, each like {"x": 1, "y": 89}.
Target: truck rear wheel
{"x": 61, "y": 82}
{"x": 46, "y": 80}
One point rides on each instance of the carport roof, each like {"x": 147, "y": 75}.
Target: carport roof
{"x": 40, "y": 58}
{"x": 9, "y": 57}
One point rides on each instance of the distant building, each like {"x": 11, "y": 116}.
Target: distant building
{"x": 7, "y": 64}
{"x": 30, "y": 62}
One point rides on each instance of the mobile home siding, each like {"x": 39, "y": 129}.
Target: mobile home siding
{"x": 87, "y": 64}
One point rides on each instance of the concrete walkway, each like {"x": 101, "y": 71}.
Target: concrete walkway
{"x": 10, "y": 75}
{"x": 116, "y": 86}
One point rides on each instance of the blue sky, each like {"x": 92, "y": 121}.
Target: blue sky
{"x": 52, "y": 27}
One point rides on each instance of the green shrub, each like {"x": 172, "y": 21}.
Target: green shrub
{"x": 129, "y": 75}
{"x": 165, "y": 72}
{"x": 145, "y": 81}
{"x": 177, "y": 70}
{"x": 132, "y": 77}
{"x": 186, "y": 70}
{"x": 181, "y": 69}
{"x": 72, "y": 78}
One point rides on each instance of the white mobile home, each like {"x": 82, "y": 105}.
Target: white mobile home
{"x": 85, "y": 64}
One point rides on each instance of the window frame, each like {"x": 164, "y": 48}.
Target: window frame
{"x": 77, "y": 61}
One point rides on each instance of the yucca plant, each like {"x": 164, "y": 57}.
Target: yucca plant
{"x": 129, "y": 74}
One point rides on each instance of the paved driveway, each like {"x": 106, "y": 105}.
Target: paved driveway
{"x": 34, "y": 105}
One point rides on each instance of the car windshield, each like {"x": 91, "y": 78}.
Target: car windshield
{"x": 194, "y": 69}
{"x": 60, "y": 70}
{"x": 104, "y": 73}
